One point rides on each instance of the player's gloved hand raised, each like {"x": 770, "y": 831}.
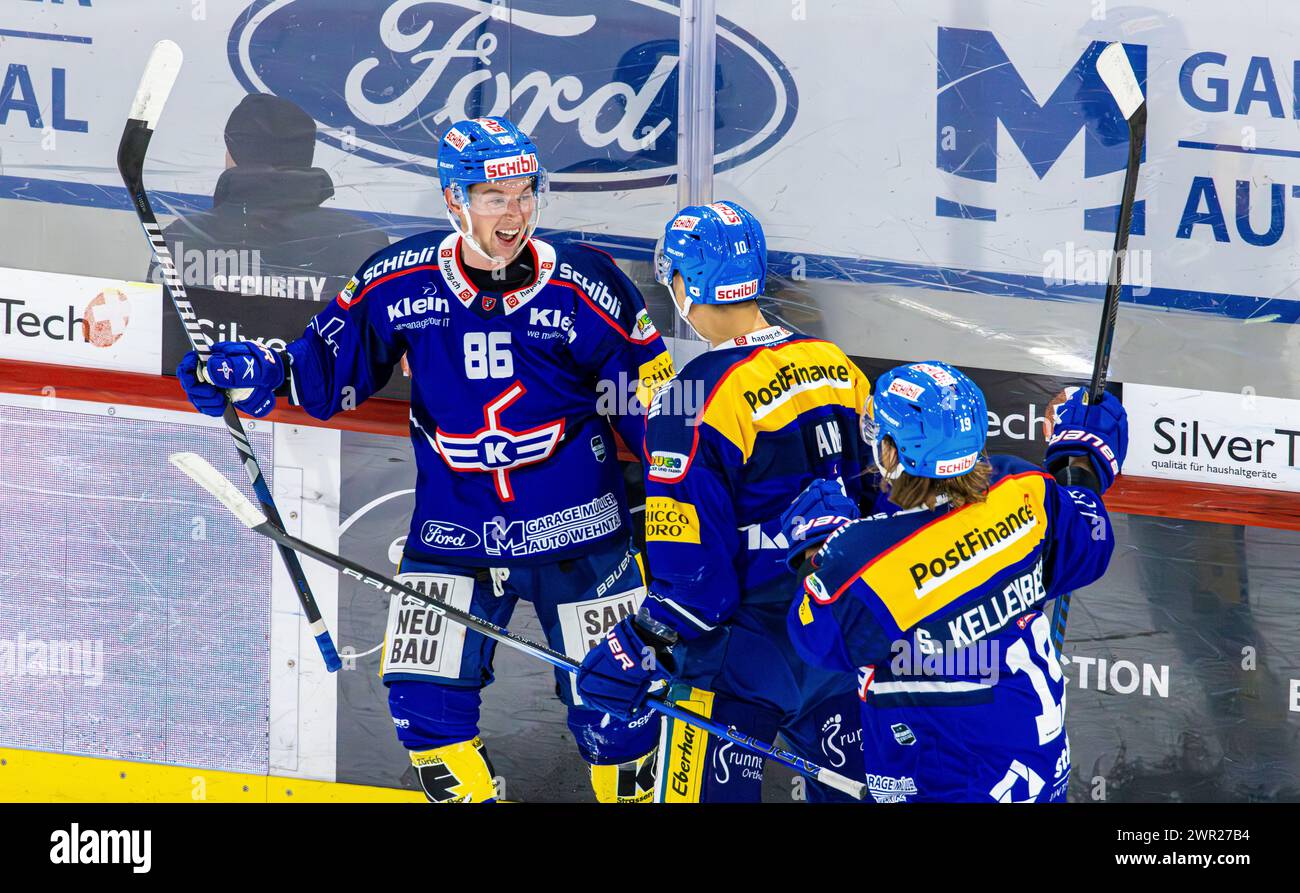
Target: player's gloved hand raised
{"x": 821, "y": 509}
{"x": 206, "y": 398}
{"x": 618, "y": 672}
{"x": 249, "y": 371}
{"x": 1098, "y": 431}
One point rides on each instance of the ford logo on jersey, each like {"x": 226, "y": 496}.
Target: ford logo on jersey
{"x": 594, "y": 84}
{"x": 446, "y": 535}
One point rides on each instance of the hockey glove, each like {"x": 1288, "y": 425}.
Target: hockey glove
{"x": 821, "y": 509}
{"x": 250, "y": 371}
{"x": 207, "y": 399}
{"x": 1098, "y": 431}
{"x": 618, "y": 672}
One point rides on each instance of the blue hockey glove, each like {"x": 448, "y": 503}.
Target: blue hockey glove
{"x": 617, "y": 673}
{"x": 207, "y": 399}
{"x": 248, "y": 370}
{"x": 1098, "y": 431}
{"x": 821, "y": 509}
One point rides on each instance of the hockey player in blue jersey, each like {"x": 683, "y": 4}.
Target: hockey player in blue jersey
{"x": 936, "y": 600}
{"x": 512, "y": 344}
{"x": 740, "y": 431}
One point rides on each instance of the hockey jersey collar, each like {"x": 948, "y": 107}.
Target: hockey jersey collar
{"x": 770, "y": 335}
{"x": 464, "y": 290}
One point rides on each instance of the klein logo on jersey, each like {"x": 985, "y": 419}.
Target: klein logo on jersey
{"x": 520, "y": 165}
{"x": 739, "y": 292}
{"x": 905, "y": 389}
{"x": 685, "y": 221}
{"x": 497, "y": 449}
{"x": 456, "y": 140}
{"x": 960, "y": 465}
{"x": 667, "y": 467}
{"x": 941, "y": 376}
{"x": 727, "y": 213}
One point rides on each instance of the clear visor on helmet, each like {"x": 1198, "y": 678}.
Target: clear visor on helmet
{"x": 495, "y": 197}
{"x": 872, "y": 436}
{"x": 663, "y": 265}
{"x": 525, "y": 196}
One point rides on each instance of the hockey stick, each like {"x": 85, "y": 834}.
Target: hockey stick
{"x": 155, "y": 85}
{"x": 207, "y": 477}
{"x": 1117, "y": 74}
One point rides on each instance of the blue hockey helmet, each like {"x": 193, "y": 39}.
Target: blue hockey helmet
{"x": 719, "y": 250}
{"x": 486, "y": 150}
{"x": 934, "y": 414}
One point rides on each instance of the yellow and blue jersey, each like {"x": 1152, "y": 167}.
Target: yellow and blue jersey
{"x": 940, "y": 613}
{"x": 730, "y": 441}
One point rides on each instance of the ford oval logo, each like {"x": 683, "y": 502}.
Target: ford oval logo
{"x": 446, "y": 535}
{"x": 597, "y": 91}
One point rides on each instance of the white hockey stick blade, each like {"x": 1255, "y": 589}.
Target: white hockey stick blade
{"x": 202, "y": 473}
{"x": 1118, "y": 76}
{"x": 157, "y": 81}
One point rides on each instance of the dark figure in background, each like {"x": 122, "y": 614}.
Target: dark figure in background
{"x": 267, "y": 232}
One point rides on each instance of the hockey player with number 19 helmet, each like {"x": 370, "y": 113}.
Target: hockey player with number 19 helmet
{"x": 936, "y": 600}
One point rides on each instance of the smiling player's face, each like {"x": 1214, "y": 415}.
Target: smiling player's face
{"x": 499, "y": 214}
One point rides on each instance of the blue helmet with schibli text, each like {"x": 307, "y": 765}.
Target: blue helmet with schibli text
{"x": 480, "y": 150}
{"x": 935, "y": 416}
{"x": 720, "y": 252}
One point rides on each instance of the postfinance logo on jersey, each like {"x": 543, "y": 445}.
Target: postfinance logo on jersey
{"x": 961, "y": 551}
{"x": 778, "y": 385}
{"x": 667, "y": 520}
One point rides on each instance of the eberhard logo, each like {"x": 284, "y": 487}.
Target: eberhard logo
{"x": 667, "y": 520}
{"x": 684, "y": 758}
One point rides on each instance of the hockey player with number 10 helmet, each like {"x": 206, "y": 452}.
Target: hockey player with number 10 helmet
{"x": 743, "y": 428}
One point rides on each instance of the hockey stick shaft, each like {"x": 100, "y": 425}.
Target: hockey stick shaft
{"x": 202, "y": 473}
{"x": 160, "y": 73}
{"x": 1120, "y": 79}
